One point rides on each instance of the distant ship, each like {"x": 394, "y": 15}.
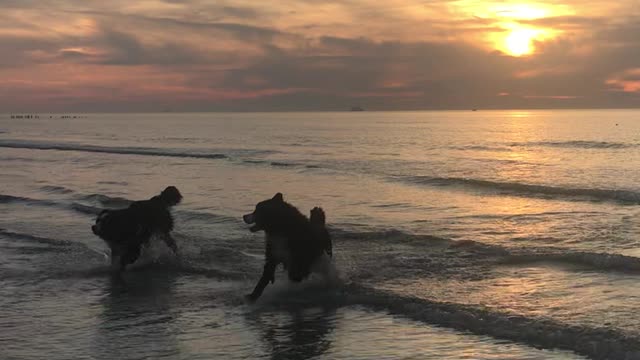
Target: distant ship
{"x": 357, "y": 108}
{"x": 27, "y": 116}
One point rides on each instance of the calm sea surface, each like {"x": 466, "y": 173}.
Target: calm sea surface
{"x": 457, "y": 235}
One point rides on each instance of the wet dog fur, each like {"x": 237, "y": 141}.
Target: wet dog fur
{"x": 292, "y": 239}
{"x": 126, "y": 230}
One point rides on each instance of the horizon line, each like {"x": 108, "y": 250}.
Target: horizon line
{"x": 311, "y": 111}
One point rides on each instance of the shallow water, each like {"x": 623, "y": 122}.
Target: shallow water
{"x": 480, "y": 235}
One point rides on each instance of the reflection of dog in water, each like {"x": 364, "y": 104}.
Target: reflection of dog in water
{"x": 291, "y": 239}
{"x": 126, "y": 230}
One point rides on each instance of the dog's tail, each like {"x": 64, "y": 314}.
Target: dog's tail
{"x": 171, "y": 196}
{"x": 317, "y": 217}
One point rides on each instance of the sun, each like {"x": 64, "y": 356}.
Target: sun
{"x": 518, "y": 33}
{"x": 519, "y": 42}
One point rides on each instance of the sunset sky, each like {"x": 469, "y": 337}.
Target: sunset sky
{"x": 197, "y": 55}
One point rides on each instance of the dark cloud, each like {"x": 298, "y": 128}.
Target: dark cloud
{"x": 166, "y": 24}
{"x": 126, "y": 49}
{"x": 240, "y": 12}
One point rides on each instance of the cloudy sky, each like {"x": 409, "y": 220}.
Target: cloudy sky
{"x": 198, "y": 55}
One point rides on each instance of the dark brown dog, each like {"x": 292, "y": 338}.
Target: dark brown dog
{"x": 126, "y": 230}
{"x": 291, "y": 240}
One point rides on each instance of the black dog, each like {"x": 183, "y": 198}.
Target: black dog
{"x": 291, "y": 239}
{"x": 126, "y": 230}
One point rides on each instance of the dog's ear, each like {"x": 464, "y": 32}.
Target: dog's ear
{"x": 278, "y": 197}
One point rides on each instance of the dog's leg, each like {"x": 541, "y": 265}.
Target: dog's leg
{"x": 130, "y": 255}
{"x": 268, "y": 274}
{"x": 328, "y": 245}
{"x": 319, "y": 228}
{"x": 171, "y": 243}
{"x": 299, "y": 270}
{"x": 116, "y": 255}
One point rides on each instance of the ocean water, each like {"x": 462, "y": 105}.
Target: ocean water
{"x": 457, "y": 235}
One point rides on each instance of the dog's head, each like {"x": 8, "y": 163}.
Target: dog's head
{"x": 101, "y": 223}
{"x": 267, "y": 213}
{"x": 171, "y": 196}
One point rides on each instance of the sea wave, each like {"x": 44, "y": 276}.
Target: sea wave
{"x": 102, "y": 271}
{"x": 77, "y": 260}
{"x": 33, "y": 238}
{"x": 5, "y": 199}
{"x": 231, "y": 154}
{"x": 116, "y": 202}
{"x": 85, "y": 209}
{"x": 579, "y": 144}
{"x": 593, "y": 260}
{"x": 93, "y": 204}
{"x": 480, "y": 148}
{"x": 391, "y": 235}
{"x": 206, "y": 216}
{"x": 108, "y": 182}
{"x": 596, "y": 343}
{"x": 528, "y": 190}
{"x": 40, "y": 145}
{"x": 574, "y": 144}
{"x": 106, "y": 200}
{"x": 279, "y": 164}
{"x": 56, "y": 189}
{"x": 497, "y": 254}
